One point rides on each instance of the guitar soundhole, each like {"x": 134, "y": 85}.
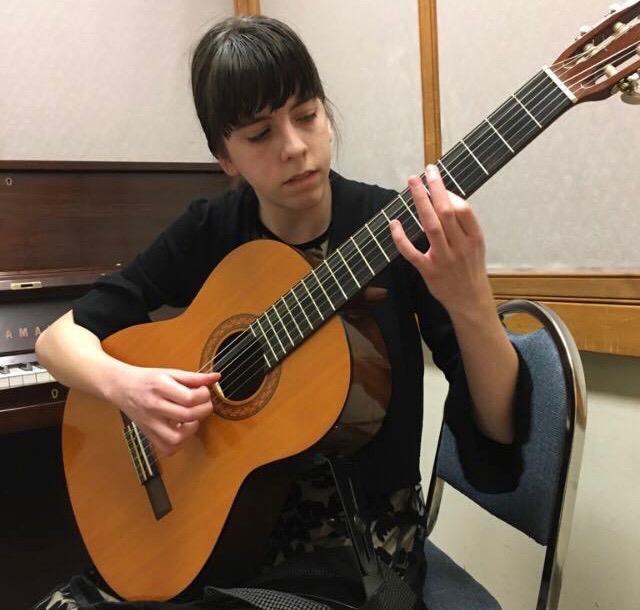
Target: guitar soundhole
{"x": 245, "y": 386}
{"x": 240, "y": 360}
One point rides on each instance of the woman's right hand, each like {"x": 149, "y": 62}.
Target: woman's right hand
{"x": 167, "y": 404}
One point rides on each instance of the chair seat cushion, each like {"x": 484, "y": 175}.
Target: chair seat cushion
{"x": 449, "y": 587}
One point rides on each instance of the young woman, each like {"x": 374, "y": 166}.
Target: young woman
{"x": 266, "y": 119}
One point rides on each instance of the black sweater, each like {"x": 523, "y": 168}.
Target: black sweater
{"x": 172, "y": 270}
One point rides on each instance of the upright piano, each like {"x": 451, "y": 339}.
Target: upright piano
{"x": 62, "y": 226}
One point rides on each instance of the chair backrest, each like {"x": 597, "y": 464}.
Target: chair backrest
{"x": 542, "y": 504}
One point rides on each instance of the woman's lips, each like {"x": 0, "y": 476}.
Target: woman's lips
{"x": 300, "y": 178}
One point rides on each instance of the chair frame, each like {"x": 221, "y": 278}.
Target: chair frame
{"x": 551, "y": 579}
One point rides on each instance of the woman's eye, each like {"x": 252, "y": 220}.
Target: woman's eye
{"x": 260, "y": 136}
{"x": 309, "y": 117}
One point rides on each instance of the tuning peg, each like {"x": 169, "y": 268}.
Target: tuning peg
{"x": 631, "y": 89}
{"x": 583, "y": 31}
{"x": 619, "y": 28}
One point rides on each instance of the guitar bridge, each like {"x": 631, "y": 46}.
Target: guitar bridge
{"x": 146, "y": 467}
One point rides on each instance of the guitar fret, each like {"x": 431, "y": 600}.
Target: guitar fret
{"x": 344, "y": 294}
{"x": 359, "y": 270}
{"x": 490, "y": 149}
{"x": 253, "y": 332}
{"x": 266, "y": 315}
{"x": 527, "y": 111}
{"x": 284, "y": 326}
{"x": 468, "y": 172}
{"x": 275, "y": 356}
{"x": 295, "y": 296}
{"x": 378, "y": 243}
{"x": 364, "y": 258}
{"x": 323, "y": 290}
{"x": 392, "y": 251}
{"x": 328, "y": 283}
{"x": 514, "y": 124}
{"x": 484, "y": 169}
{"x": 355, "y": 279}
{"x": 406, "y": 205}
{"x": 312, "y": 299}
{"x": 500, "y": 136}
{"x": 448, "y": 173}
{"x": 547, "y": 97}
{"x": 134, "y": 452}
{"x": 289, "y": 311}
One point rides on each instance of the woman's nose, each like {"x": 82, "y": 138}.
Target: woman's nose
{"x": 293, "y": 145}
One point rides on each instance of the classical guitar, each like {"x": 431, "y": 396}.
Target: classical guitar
{"x": 266, "y": 320}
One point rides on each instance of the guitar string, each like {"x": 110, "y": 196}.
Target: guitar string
{"x": 253, "y": 366}
{"x": 479, "y": 142}
{"x": 317, "y": 291}
{"x": 231, "y": 390}
{"x": 506, "y": 133}
{"x": 451, "y": 167}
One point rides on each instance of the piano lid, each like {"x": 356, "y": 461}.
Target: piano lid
{"x": 90, "y": 217}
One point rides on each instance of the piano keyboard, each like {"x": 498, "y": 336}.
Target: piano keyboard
{"x": 19, "y": 375}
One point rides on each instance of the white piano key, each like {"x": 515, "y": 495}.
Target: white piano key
{"x": 16, "y": 380}
{"x": 29, "y": 379}
{"x": 23, "y": 375}
{"x": 42, "y": 375}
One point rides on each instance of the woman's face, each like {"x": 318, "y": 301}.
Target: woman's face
{"x": 285, "y": 155}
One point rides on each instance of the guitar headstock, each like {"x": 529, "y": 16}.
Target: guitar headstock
{"x": 605, "y": 58}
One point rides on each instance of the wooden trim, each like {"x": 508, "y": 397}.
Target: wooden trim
{"x": 246, "y": 7}
{"x": 428, "y": 32}
{"x": 602, "y": 310}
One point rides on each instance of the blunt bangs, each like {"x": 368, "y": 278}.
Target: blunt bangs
{"x": 245, "y": 65}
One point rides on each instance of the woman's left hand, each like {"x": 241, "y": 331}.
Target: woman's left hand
{"x": 454, "y": 265}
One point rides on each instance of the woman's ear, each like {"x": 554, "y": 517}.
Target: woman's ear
{"x": 228, "y": 167}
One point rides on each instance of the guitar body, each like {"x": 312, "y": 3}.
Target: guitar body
{"x": 305, "y": 402}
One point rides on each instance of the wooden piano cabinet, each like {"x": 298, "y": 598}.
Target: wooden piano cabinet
{"x": 63, "y": 225}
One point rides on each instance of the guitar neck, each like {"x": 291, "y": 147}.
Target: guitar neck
{"x": 464, "y": 169}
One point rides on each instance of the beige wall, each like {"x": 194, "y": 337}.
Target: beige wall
{"x": 570, "y": 200}
{"x": 102, "y": 80}
{"x": 369, "y": 63}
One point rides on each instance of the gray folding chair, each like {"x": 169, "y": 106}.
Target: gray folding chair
{"x": 542, "y": 505}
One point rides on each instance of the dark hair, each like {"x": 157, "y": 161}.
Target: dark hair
{"x": 244, "y": 65}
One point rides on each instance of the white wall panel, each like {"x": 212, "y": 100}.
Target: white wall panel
{"x": 101, "y": 80}
{"x": 570, "y": 200}
{"x": 368, "y": 58}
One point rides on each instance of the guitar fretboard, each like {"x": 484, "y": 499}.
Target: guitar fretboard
{"x": 464, "y": 168}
